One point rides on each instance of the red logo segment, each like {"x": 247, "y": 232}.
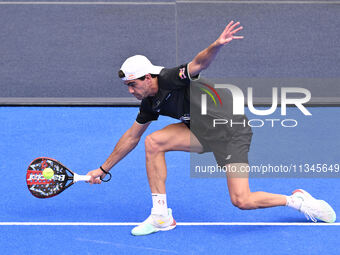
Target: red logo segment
{"x": 218, "y": 96}
{"x": 36, "y": 177}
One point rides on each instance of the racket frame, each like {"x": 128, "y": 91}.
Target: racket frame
{"x": 69, "y": 174}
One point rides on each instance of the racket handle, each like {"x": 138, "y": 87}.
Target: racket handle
{"x": 78, "y": 177}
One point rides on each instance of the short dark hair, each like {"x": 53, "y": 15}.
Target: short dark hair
{"x": 121, "y": 75}
{"x": 143, "y": 77}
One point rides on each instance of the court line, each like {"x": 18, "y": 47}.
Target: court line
{"x": 303, "y": 224}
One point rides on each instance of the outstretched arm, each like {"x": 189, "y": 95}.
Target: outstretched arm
{"x": 206, "y": 56}
{"x": 125, "y": 144}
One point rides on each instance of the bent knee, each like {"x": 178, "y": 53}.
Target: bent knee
{"x": 153, "y": 143}
{"x": 241, "y": 201}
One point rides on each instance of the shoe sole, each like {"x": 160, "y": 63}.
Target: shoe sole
{"x": 172, "y": 226}
{"x": 155, "y": 229}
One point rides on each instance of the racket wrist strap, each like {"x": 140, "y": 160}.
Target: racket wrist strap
{"x": 101, "y": 168}
{"x": 105, "y": 172}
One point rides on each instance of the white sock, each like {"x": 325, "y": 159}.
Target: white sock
{"x": 159, "y": 204}
{"x": 294, "y": 202}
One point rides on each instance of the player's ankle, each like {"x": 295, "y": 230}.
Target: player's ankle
{"x": 160, "y": 213}
{"x": 294, "y": 202}
{"x": 159, "y": 204}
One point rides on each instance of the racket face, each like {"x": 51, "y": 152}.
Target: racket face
{"x": 41, "y": 187}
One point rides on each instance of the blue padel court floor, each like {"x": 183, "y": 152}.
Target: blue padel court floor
{"x": 97, "y": 219}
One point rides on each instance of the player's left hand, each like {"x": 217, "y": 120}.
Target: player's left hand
{"x": 228, "y": 33}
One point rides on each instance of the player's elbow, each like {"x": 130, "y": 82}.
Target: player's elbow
{"x": 204, "y": 65}
{"x": 131, "y": 138}
{"x": 196, "y": 66}
{"x": 133, "y": 141}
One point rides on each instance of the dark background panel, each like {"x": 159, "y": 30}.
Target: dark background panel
{"x": 281, "y": 40}
{"x": 65, "y": 52}
{"x": 76, "y": 50}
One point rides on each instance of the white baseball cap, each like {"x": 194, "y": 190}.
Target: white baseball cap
{"x": 137, "y": 66}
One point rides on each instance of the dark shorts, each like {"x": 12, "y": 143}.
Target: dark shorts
{"x": 227, "y": 149}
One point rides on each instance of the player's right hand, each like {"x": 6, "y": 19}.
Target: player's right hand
{"x": 95, "y": 176}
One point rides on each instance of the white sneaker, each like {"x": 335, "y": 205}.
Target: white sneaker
{"x": 315, "y": 209}
{"x": 155, "y": 223}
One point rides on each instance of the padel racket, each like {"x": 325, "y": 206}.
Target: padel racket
{"x": 62, "y": 179}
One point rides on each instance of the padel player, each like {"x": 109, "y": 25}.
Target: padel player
{"x": 166, "y": 91}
